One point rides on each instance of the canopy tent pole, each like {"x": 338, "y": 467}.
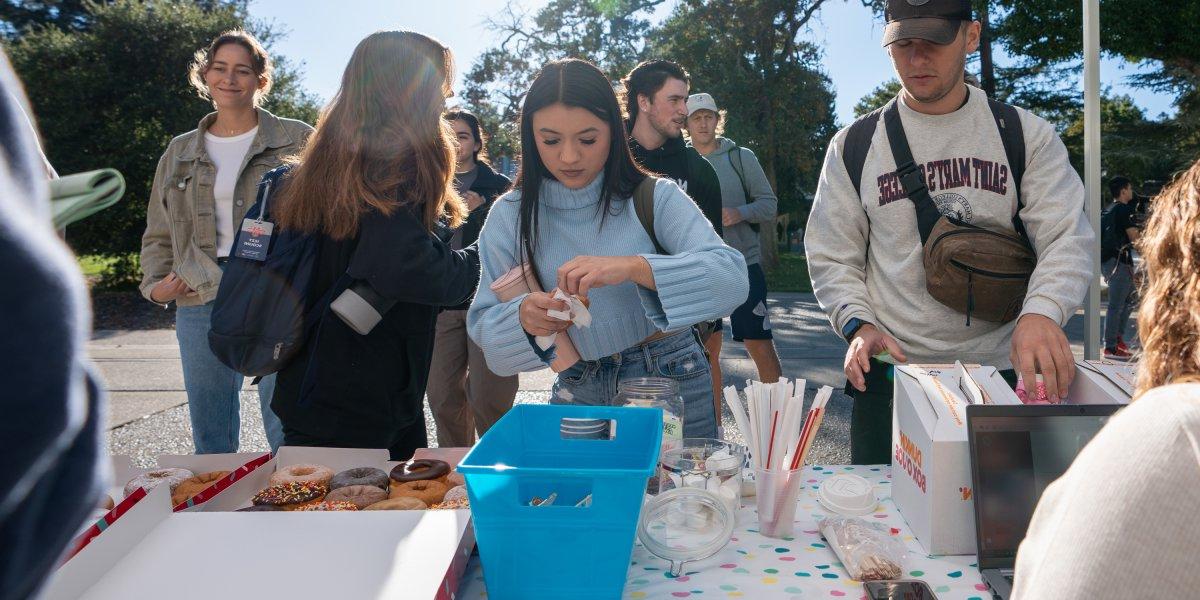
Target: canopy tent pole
{"x": 1091, "y": 153}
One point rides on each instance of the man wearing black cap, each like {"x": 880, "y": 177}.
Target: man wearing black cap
{"x": 987, "y": 165}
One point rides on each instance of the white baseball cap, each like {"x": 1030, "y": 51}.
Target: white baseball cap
{"x": 701, "y": 101}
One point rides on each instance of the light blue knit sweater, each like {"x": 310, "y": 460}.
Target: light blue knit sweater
{"x": 702, "y": 279}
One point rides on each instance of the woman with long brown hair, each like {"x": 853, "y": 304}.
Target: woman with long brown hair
{"x": 375, "y": 182}
{"x": 1121, "y": 523}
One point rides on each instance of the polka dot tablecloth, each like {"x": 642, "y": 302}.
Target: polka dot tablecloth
{"x": 753, "y": 566}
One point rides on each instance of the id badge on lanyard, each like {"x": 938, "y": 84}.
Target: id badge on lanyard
{"x": 255, "y": 238}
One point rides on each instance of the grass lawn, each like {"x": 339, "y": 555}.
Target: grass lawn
{"x": 791, "y": 275}
{"x": 94, "y": 264}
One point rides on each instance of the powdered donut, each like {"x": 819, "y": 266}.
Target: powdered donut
{"x": 152, "y": 479}
{"x": 330, "y": 506}
{"x": 360, "y": 476}
{"x": 429, "y": 492}
{"x": 420, "y": 470}
{"x": 455, "y": 479}
{"x": 190, "y": 487}
{"x": 260, "y": 508}
{"x": 361, "y": 495}
{"x": 455, "y": 493}
{"x": 288, "y": 495}
{"x": 318, "y": 474}
{"x": 404, "y": 503}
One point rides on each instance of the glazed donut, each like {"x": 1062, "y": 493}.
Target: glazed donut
{"x": 430, "y": 492}
{"x": 420, "y": 470}
{"x": 152, "y": 479}
{"x": 318, "y": 474}
{"x": 330, "y": 506}
{"x": 361, "y": 495}
{"x": 260, "y": 508}
{"x": 455, "y": 479}
{"x": 289, "y": 495}
{"x": 190, "y": 487}
{"x": 455, "y": 493}
{"x": 360, "y": 476}
{"x": 403, "y": 503}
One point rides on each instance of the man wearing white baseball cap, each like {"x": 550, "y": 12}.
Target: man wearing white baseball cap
{"x": 747, "y": 201}
{"x": 942, "y": 157}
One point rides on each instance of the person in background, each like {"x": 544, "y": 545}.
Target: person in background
{"x": 204, "y": 184}
{"x": 52, "y": 433}
{"x": 1118, "y": 270}
{"x": 1134, "y": 485}
{"x": 374, "y": 184}
{"x": 465, "y": 396}
{"x": 571, "y": 219}
{"x": 748, "y": 201}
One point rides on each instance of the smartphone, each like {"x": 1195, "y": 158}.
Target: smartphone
{"x": 902, "y": 589}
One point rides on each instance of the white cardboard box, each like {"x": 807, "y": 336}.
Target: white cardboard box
{"x": 239, "y": 494}
{"x": 376, "y": 554}
{"x": 1102, "y": 382}
{"x": 931, "y": 461}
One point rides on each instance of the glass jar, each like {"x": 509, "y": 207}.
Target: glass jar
{"x": 656, "y": 392}
{"x": 707, "y": 464}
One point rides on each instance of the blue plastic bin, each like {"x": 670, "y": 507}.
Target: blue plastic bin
{"x": 560, "y": 551}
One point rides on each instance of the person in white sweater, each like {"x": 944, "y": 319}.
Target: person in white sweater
{"x": 865, "y": 252}
{"x": 1121, "y": 522}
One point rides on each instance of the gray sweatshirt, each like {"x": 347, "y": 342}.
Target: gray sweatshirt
{"x": 761, "y": 205}
{"x": 865, "y": 254}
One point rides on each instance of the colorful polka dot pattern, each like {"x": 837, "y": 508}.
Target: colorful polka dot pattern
{"x": 799, "y": 568}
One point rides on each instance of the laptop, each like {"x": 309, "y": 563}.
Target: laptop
{"x": 1016, "y": 451}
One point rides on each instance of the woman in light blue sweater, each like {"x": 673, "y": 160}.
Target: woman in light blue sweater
{"x": 571, "y": 219}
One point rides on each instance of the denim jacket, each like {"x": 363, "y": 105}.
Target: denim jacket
{"x": 181, "y": 226}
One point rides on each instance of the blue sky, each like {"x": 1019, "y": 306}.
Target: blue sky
{"x": 324, "y": 33}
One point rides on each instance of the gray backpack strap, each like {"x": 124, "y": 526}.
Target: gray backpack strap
{"x": 858, "y": 144}
{"x": 643, "y": 205}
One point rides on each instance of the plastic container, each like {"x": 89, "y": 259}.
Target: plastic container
{"x": 684, "y": 525}
{"x": 778, "y": 493}
{"x": 848, "y": 495}
{"x": 707, "y": 464}
{"x": 656, "y": 392}
{"x": 562, "y": 550}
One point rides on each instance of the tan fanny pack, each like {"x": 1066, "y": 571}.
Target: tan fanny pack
{"x": 979, "y": 272}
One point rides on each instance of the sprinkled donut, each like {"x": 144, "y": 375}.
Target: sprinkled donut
{"x": 360, "y": 476}
{"x": 318, "y": 474}
{"x": 152, "y": 479}
{"x": 420, "y": 470}
{"x": 405, "y": 503}
{"x": 330, "y": 506}
{"x": 190, "y": 487}
{"x": 291, "y": 495}
{"x": 430, "y": 491}
{"x": 361, "y": 495}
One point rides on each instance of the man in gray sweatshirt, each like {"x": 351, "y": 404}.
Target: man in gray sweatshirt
{"x": 865, "y": 252}
{"x": 747, "y": 201}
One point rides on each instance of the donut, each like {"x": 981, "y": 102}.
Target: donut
{"x": 430, "y": 492}
{"x": 361, "y": 495}
{"x": 107, "y": 503}
{"x": 190, "y": 487}
{"x": 452, "y": 505}
{"x": 288, "y": 495}
{"x": 152, "y": 479}
{"x": 420, "y": 470}
{"x": 403, "y": 503}
{"x": 260, "y": 508}
{"x": 360, "y": 476}
{"x": 330, "y": 506}
{"x": 455, "y": 493}
{"x": 303, "y": 474}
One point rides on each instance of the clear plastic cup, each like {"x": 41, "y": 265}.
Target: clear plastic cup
{"x": 777, "y": 494}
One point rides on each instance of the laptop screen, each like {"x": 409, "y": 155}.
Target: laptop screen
{"x": 1017, "y": 451}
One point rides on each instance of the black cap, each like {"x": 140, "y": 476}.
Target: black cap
{"x": 934, "y": 20}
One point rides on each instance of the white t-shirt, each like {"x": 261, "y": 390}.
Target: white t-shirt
{"x": 227, "y": 154}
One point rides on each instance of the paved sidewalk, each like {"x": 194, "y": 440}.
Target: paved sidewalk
{"x": 148, "y": 407}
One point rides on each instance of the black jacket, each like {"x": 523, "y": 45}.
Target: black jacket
{"x": 488, "y": 184}
{"x": 696, "y": 176}
{"x": 357, "y": 391}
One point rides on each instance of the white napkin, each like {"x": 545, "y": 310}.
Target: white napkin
{"x": 577, "y": 314}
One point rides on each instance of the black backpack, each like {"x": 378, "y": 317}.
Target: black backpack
{"x": 260, "y": 318}
{"x": 1110, "y": 238}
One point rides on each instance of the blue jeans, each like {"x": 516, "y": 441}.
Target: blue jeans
{"x": 1122, "y": 297}
{"x": 213, "y": 388}
{"x": 679, "y": 357}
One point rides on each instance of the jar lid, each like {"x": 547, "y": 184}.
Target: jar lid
{"x": 684, "y": 525}
{"x": 847, "y": 494}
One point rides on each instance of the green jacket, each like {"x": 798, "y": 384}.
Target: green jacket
{"x": 181, "y": 226}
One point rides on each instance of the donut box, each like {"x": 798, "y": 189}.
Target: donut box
{"x": 372, "y": 554}
{"x": 1102, "y": 382}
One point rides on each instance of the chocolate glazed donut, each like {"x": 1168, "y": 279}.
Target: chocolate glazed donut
{"x": 420, "y": 470}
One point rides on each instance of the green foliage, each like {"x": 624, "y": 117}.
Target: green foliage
{"x": 878, "y": 97}
{"x": 114, "y": 93}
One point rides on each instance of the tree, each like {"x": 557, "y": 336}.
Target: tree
{"x": 19, "y": 16}
{"x": 1135, "y": 147}
{"x": 116, "y": 92}
{"x": 878, "y": 97}
{"x": 779, "y": 102}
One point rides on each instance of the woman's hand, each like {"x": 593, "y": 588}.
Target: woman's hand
{"x": 170, "y": 288}
{"x": 582, "y": 273}
{"x": 534, "y": 318}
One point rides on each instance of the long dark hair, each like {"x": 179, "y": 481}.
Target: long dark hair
{"x": 477, "y": 132}
{"x": 575, "y": 83}
{"x": 381, "y": 143}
